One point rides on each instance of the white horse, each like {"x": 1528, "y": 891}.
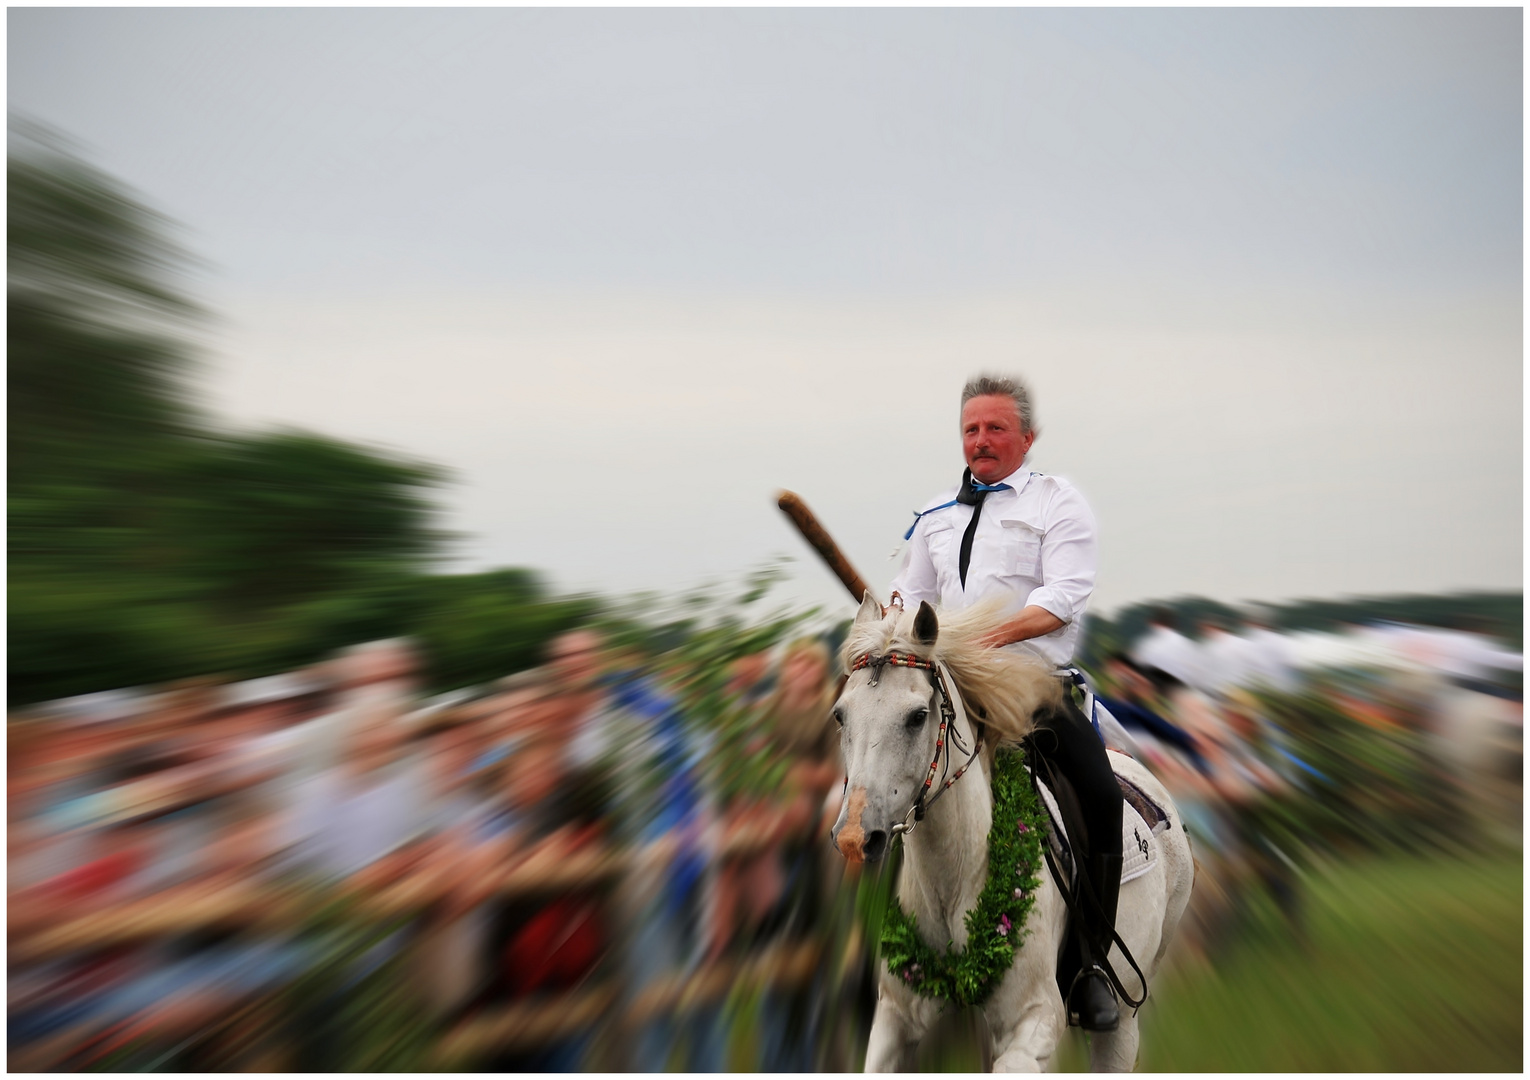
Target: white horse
{"x": 888, "y": 717}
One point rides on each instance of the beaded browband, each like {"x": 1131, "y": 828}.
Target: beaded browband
{"x": 866, "y": 660}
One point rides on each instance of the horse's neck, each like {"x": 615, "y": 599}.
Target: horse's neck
{"x": 945, "y": 859}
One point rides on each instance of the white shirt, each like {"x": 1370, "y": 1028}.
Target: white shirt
{"x": 1171, "y": 652}
{"x": 1274, "y": 663}
{"x": 1035, "y": 545}
{"x": 342, "y": 824}
{"x": 1227, "y": 661}
{"x": 1450, "y": 652}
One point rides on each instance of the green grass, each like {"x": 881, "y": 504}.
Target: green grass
{"x": 1408, "y": 966}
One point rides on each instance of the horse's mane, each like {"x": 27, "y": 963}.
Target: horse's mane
{"x": 1005, "y": 689}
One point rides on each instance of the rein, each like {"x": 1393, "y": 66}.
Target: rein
{"x": 947, "y": 728}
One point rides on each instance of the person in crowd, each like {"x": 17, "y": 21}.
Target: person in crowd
{"x": 630, "y": 735}
{"x": 1273, "y": 660}
{"x": 474, "y": 838}
{"x": 1163, "y": 647}
{"x": 588, "y": 729}
{"x": 1227, "y": 659}
{"x": 796, "y": 717}
{"x": 1131, "y": 702}
{"x": 353, "y": 823}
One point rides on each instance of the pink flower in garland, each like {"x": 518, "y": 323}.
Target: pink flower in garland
{"x": 1024, "y": 827}
{"x": 1004, "y": 925}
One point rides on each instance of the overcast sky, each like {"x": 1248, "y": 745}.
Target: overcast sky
{"x": 628, "y": 272}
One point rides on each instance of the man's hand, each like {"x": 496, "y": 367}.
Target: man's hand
{"x": 1032, "y": 622}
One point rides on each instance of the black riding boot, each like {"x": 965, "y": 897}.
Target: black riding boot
{"x": 1065, "y": 738}
{"x": 1091, "y": 1001}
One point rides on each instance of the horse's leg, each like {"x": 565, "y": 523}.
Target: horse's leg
{"x": 896, "y": 1030}
{"x": 1140, "y": 923}
{"x": 1025, "y": 1015}
{"x": 1115, "y": 1051}
{"x": 1031, "y": 1041}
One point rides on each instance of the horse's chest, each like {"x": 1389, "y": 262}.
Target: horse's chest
{"x": 941, "y": 885}
{"x": 942, "y": 921}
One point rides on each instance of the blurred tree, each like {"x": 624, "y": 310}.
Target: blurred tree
{"x": 473, "y": 628}
{"x": 96, "y": 316}
{"x": 144, "y": 546}
{"x": 272, "y": 519}
{"x": 96, "y": 419}
{"x": 1499, "y": 614}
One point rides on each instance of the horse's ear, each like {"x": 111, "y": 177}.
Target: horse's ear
{"x": 925, "y": 624}
{"x": 870, "y": 610}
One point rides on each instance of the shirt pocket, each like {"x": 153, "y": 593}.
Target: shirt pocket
{"x": 941, "y": 539}
{"x": 1022, "y": 549}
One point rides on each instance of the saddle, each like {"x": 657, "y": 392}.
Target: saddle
{"x": 1141, "y": 819}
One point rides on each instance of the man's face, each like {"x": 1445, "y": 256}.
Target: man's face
{"x": 748, "y": 671}
{"x": 804, "y": 672}
{"x": 991, "y": 438}
{"x": 575, "y": 657}
{"x": 1131, "y": 683}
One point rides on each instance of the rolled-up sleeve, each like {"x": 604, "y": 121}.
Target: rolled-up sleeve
{"x": 1070, "y": 556}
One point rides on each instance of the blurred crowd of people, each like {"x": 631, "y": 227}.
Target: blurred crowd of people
{"x": 1283, "y": 748}
{"x": 616, "y": 861}
{"x": 225, "y": 875}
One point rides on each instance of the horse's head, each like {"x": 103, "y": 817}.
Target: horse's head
{"x": 888, "y": 715}
{"x": 890, "y": 712}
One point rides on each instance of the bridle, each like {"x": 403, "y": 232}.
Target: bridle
{"x": 947, "y": 727}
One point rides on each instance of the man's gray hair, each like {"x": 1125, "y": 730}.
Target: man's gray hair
{"x": 1003, "y": 386}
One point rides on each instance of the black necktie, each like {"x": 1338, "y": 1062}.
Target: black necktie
{"x": 972, "y": 494}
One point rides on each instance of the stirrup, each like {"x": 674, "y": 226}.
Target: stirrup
{"x": 1074, "y": 1020}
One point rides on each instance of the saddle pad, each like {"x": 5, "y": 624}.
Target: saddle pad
{"x": 1138, "y": 852}
{"x": 1152, "y": 815}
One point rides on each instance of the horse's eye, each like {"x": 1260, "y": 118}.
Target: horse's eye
{"x": 917, "y": 717}
{"x": 839, "y": 716}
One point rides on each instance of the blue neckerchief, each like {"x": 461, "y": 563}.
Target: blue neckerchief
{"x": 975, "y": 487}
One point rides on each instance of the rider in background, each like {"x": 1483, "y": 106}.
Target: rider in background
{"x": 1132, "y": 703}
{"x": 1029, "y": 538}
{"x": 1164, "y": 648}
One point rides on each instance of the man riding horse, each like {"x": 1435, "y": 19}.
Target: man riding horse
{"x": 1030, "y": 538}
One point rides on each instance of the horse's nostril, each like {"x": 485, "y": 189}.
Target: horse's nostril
{"x": 875, "y": 846}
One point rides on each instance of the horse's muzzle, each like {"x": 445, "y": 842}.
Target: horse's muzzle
{"x": 875, "y": 846}
{"x": 861, "y": 848}
{"x": 850, "y": 835}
